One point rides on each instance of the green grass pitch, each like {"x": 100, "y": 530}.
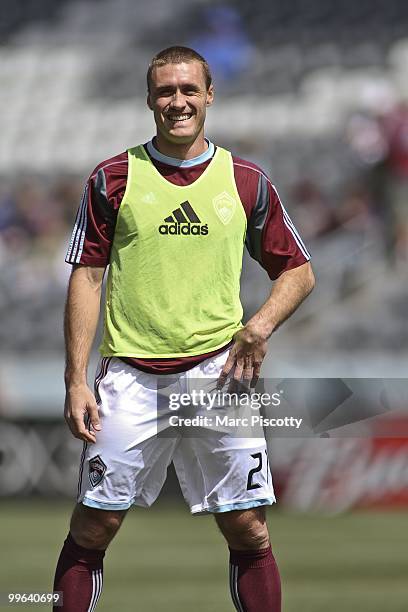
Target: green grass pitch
{"x": 164, "y": 560}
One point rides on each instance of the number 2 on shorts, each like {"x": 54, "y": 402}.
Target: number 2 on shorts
{"x": 255, "y": 485}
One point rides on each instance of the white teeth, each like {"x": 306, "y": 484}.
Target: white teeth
{"x": 179, "y": 117}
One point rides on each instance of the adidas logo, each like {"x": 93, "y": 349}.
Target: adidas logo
{"x": 183, "y": 221}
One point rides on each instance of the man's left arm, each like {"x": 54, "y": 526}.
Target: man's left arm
{"x": 250, "y": 343}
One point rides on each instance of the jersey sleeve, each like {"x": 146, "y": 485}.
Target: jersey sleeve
{"x": 271, "y": 237}
{"x": 94, "y": 226}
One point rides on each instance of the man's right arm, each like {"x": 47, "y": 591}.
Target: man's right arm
{"x": 80, "y": 323}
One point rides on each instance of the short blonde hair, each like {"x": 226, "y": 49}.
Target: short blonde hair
{"x": 178, "y": 55}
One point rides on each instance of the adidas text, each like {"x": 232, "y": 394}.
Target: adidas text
{"x": 186, "y": 229}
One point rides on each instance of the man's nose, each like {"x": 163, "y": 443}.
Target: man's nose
{"x": 178, "y": 100}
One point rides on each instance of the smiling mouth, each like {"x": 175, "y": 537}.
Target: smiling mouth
{"x": 177, "y": 118}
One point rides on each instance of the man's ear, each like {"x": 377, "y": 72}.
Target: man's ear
{"x": 149, "y": 101}
{"x": 210, "y": 95}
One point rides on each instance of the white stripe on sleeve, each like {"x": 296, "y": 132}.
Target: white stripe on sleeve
{"x": 78, "y": 233}
{"x": 291, "y": 227}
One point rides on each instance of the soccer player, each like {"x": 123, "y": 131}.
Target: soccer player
{"x": 170, "y": 218}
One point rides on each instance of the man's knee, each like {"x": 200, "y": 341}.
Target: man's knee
{"x": 244, "y": 529}
{"x": 94, "y": 528}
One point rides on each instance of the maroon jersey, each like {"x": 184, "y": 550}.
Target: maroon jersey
{"x": 271, "y": 237}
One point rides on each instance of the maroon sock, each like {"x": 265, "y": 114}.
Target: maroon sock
{"x": 79, "y": 575}
{"x": 254, "y": 581}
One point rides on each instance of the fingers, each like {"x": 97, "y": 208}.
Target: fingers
{"x": 243, "y": 366}
{"x": 77, "y": 405}
{"x": 246, "y": 365}
{"x": 248, "y": 368}
{"x": 79, "y": 430}
{"x": 239, "y": 368}
{"x": 228, "y": 365}
{"x": 94, "y": 415}
{"x": 256, "y": 373}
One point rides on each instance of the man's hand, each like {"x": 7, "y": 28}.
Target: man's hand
{"x": 250, "y": 346}
{"x": 79, "y": 401}
{"x": 246, "y": 357}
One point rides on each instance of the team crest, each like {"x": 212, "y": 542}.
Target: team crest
{"x": 224, "y": 206}
{"x": 97, "y": 470}
{"x": 149, "y": 198}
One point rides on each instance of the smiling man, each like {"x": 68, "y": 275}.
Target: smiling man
{"x": 170, "y": 218}
{"x": 178, "y": 96}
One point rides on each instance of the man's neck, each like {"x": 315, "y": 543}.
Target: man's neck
{"x": 182, "y": 150}
{"x": 180, "y": 163}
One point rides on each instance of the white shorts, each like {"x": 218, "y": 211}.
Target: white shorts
{"x": 128, "y": 464}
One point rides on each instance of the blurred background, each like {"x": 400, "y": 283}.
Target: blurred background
{"x": 314, "y": 92}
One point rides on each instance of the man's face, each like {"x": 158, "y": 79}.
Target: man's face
{"x": 178, "y": 98}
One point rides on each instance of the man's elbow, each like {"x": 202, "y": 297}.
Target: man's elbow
{"x": 309, "y": 278}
